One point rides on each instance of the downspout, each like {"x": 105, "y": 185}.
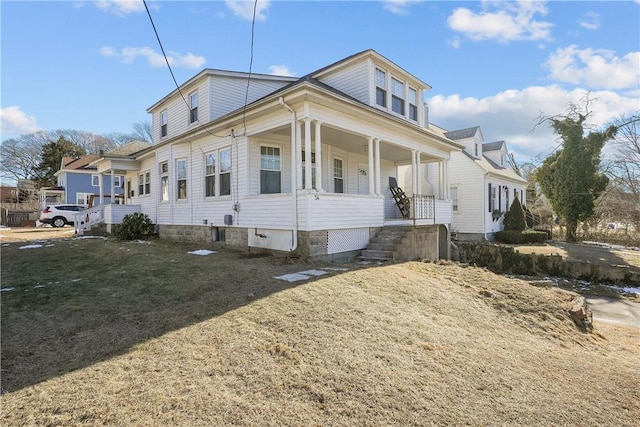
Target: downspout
{"x": 294, "y": 177}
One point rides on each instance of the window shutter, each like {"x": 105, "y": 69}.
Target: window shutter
{"x": 489, "y": 193}
{"x": 500, "y": 197}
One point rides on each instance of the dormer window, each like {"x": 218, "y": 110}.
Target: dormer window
{"x": 397, "y": 96}
{"x": 502, "y": 159}
{"x": 413, "y": 104}
{"x": 193, "y": 105}
{"x": 381, "y": 88}
{"x": 477, "y": 149}
{"x": 164, "y": 120}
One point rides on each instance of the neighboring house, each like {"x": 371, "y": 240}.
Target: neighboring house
{"x": 305, "y": 166}
{"x": 482, "y": 185}
{"x": 8, "y": 194}
{"x": 78, "y": 180}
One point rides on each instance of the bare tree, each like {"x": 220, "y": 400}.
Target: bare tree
{"x": 142, "y": 131}
{"x": 624, "y": 168}
{"x": 19, "y": 156}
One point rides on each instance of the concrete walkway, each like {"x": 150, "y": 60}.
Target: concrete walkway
{"x": 617, "y": 311}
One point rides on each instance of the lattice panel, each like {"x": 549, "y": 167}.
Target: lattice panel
{"x": 348, "y": 239}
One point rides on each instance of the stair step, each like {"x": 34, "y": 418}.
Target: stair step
{"x": 375, "y": 254}
{"x": 382, "y": 246}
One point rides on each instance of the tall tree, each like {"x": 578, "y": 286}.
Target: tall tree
{"x": 52, "y": 154}
{"x": 624, "y": 169}
{"x": 20, "y": 156}
{"x": 571, "y": 177}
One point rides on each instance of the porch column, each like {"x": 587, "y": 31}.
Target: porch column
{"x": 445, "y": 172}
{"x": 376, "y": 143}
{"x": 307, "y": 155}
{"x": 101, "y": 187}
{"x": 418, "y": 174}
{"x": 371, "y": 180}
{"x": 414, "y": 173}
{"x": 318, "y": 156}
{"x": 113, "y": 188}
{"x": 298, "y": 148}
{"x": 441, "y": 176}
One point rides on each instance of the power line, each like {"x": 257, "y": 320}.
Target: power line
{"x": 246, "y": 94}
{"x": 171, "y": 70}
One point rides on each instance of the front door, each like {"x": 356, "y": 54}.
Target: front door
{"x": 363, "y": 179}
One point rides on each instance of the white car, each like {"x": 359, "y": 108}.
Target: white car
{"x": 60, "y": 215}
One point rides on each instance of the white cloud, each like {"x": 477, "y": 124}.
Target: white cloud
{"x": 280, "y": 70}
{"x": 590, "y": 21}
{"x": 129, "y": 54}
{"x": 512, "y": 115}
{"x": 399, "y": 7}
{"x": 121, "y": 7}
{"x": 244, "y": 9}
{"x": 14, "y": 121}
{"x": 502, "y": 21}
{"x": 595, "y": 68}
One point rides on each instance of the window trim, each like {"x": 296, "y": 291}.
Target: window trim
{"x": 144, "y": 183}
{"x": 455, "y": 201}
{"x": 95, "y": 180}
{"x": 341, "y": 177}
{"x": 381, "y": 89}
{"x": 193, "y": 111}
{"x": 117, "y": 181}
{"x": 164, "y": 123}
{"x": 401, "y": 97}
{"x": 163, "y": 171}
{"x": 279, "y": 170}
{"x": 185, "y": 179}
{"x": 213, "y": 175}
{"x": 224, "y": 172}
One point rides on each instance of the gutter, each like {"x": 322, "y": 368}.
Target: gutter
{"x": 294, "y": 177}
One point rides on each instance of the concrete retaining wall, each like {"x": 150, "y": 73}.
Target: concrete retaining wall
{"x": 505, "y": 259}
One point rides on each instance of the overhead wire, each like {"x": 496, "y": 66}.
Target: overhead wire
{"x": 166, "y": 59}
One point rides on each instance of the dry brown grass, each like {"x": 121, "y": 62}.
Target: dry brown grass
{"x": 406, "y": 344}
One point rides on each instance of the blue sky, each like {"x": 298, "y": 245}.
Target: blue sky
{"x": 96, "y": 65}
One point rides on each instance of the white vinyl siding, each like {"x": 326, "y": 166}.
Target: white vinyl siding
{"x": 350, "y": 81}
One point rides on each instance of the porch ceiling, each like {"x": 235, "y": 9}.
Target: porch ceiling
{"x": 353, "y": 143}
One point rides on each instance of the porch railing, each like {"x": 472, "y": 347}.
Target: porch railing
{"x": 423, "y": 207}
{"x": 84, "y": 220}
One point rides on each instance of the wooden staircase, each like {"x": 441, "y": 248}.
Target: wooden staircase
{"x": 402, "y": 201}
{"x": 384, "y": 246}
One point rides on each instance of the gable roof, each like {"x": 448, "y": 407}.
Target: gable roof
{"x": 129, "y": 148}
{"x": 79, "y": 163}
{"x": 462, "y": 133}
{"x": 494, "y": 169}
{"x": 493, "y": 146}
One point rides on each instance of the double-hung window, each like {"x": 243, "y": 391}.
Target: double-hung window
{"x": 217, "y": 173}
{"x": 413, "y": 104}
{"x": 397, "y": 96}
{"x": 338, "y": 177}
{"x": 144, "y": 183}
{"x": 454, "y": 198}
{"x": 381, "y": 88}
{"x": 270, "y": 170}
{"x": 225, "y": 172}
{"x": 117, "y": 181}
{"x": 95, "y": 180}
{"x": 210, "y": 174}
{"x": 181, "y": 178}
{"x": 164, "y": 181}
{"x": 164, "y": 120}
{"x": 193, "y": 107}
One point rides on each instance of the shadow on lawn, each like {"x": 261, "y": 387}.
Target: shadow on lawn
{"x": 117, "y": 296}
{"x": 594, "y": 254}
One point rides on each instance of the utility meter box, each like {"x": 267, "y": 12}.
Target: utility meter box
{"x": 228, "y": 220}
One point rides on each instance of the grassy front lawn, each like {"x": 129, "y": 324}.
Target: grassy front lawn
{"x": 105, "y": 332}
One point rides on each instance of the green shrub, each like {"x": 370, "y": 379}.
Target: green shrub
{"x": 519, "y": 237}
{"x": 135, "y": 226}
{"x": 514, "y": 219}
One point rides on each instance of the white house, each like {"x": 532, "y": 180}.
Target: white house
{"x": 482, "y": 186}
{"x": 291, "y": 164}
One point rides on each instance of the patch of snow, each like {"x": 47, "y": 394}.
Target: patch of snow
{"x": 625, "y": 290}
{"x": 202, "y": 252}
{"x": 76, "y": 280}
{"x": 313, "y": 273}
{"x": 142, "y": 241}
{"x": 5, "y": 244}
{"x": 30, "y": 247}
{"x": 4, "y": 227}
{"x": 38, "y": 286}
{"x": 48, "y": 246}
{"x": 91, "y": 237}
{"x": 293, "y": 277}
{"x": 336, "y": 269}
{"x": 6, "y": 289}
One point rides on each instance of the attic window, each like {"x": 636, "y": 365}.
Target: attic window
{"x": 381, "y": 88}
{"x": 193, "y": 105}
{"x": 164, "y": 119}
{"x": 397, "y": 96}
{"x": 477, "y": 150}
{"x": 413, "y": 104}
